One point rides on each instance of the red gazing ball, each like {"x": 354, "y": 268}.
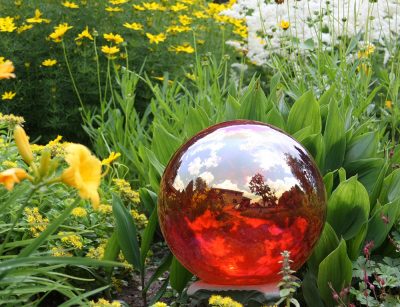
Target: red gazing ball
{"x": 234, "y": 197}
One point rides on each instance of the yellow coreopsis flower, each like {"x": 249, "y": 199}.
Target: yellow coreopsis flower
{"x": 366, "y": 52}
{"x": 109, "y": 50}
{"x": 24, "y": 28}
{"x": 37, "y": 18}
{"x": 117, "y": 2}
{"x": 12, "y": 176}
{"x": 284, "y": 24}
{"x": 185, "y": 20}
{"x": 178, "y": 29}
{"x": 84, "y": 34}
{"x": 6, "y": 70}
{"x": 138, "y": 7}
{"x": 70, "y": 5}
{"x": 7, "y": 24}
{"x": 200, "y": 15}
{"x": 83, "y": 173}
{"x": 388, "y": 104}
{"x": 49, "y": 62}
{"x": 8, "y": 95}
{"x": 186, "y": 48}
{"x": 113, "y": 9}
{"x": 59, "y": 32}
{"x": 79, "y": 212}
{"x": 153, "y": 6}
{"x": 178, "y": 7}
{"x": 156, "y": 38}
{"x": 159, "y": 304}
{"x": 115, "y": 38}
{"x": 112, "y": 157}
{"x": 133, "y": 26}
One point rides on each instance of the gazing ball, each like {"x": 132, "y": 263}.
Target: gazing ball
{"x": 234, "y": 197}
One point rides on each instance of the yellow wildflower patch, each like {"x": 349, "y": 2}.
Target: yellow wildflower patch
{"x": 49, "y": 62}
{"x": 156, "y": 39}
{"x": 70, "y": 5}
{"x": 8, "y": 95}
{"x": 7, "y": 24}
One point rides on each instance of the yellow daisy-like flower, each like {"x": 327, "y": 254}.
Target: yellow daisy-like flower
{"x": 178, "y": 7}
{"x": 113, "y": 9}
{"x": 70, "y": 5}
{"x": 59, "y": 32}
{"x": 83, "y": 173}
{"x": 200, "y": 15}
{"x": 109, "y": 50}
{"x": 388, "y": 104}
{"x": 366, "y": 52}
{"x": 156, "y": 39}
{"x": 7, "y": 24}
{"x": 12, "y": 176}
{"x": 38, "y": 18}
{"x": 153, "y": 6}
{"x": 79, "y": 212}
{"x": 117, "y": 2}
{"x": 84, "y": 34}
{"x": 24, "y": 28}
{"x": 104, "y": 303}
{"x": 178, "y": 29}
{"x": 8, "y": 95}
{"x": 6, "y": 70}
{"x": 138, "y": 7}
{"x": 185, "y": 48}
{"x": 133, "y": 26}
{"x": 112, "y": 157}
{"x": 284, "y": 25}
{"x": 185, "y": 20}
{"x": 49, "y": 62}
{"x": 115, "y": 38}
{"x": 159, "y": 304}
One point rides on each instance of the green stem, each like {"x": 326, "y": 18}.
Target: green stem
{"x": 48, "y": 231}
{"x": 72, "y": 77}
{"x": 97, "y": 68}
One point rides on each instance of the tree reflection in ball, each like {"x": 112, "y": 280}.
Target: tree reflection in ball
{"x": 234, "y": 197}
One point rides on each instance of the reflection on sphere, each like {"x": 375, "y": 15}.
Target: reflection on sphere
{"x": 234, "y": 197}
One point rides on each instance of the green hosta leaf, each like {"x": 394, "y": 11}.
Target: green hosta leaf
{"x": 197, "y": 120}
{"x": 254, "y": 105}
{"x": 275, "y": 118}
{"x": 179, "y": 276}
{"x": 310, "y": 291}
{"x": 326, "y": 244}
{"x": 111, "y": 251}
{"x": 335, "y": 269}
{"x": 364, "y": 146}
{"x": 334, "y": 138}
{"x": 315, "y": 146}
{"x": 164, "y": 144}
{"x": 367, "y": 171}
{"x": 126, "y": 233}
{"x": 328, "y": 182}
{"x": 232, "y": 107}
{"x": 377, "y": 187}
{"x": 354, "y": 245}
{"x": 391, "y": 187}
{"x": 348, "y": 208}
{"x": 378, "y": 229}
{"x": 158, "y": 166}
{"x": 148, "y": 199}
{"x": 148, "y": 235}
{"x": 305, "y": 112}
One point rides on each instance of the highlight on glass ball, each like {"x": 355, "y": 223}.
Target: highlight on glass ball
{"x": 234, "y": 197}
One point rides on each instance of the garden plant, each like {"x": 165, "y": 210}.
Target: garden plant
{"x": 127, "y": 82}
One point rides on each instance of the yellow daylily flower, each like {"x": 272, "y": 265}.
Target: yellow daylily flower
{"x": 12, "y": 176}
{"x": 6, "y": 70}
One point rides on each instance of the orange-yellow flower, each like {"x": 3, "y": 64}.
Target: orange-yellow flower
{"x": 284, "y": 25}
{"x": 109, "y": 50}
{"x": 83, "y": 173}
{"x": 6, "y": 70}
{"x": 22, "y": 142}
{"x": 156, "y": 38}
{"x": 59, "y": 32}
{"x": 113, "y": 156}
{"x": 116, "y": 38}
{"x": 84, "y": 34}
{"x": 12, "y": 176}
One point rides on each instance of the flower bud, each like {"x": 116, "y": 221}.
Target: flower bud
{"x": 44, "y": 163}
{"x": 22, "y": 141}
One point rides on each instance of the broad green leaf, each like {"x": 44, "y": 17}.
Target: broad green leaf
{"x": 390, "y": 188}
{"x": 158, "y": 166}
{"x": 164, "y": 144}
{"x": 148, "y": 235}
{"x": 367, "y": 171}
{"x": 310, "y": 291}
{"x": 335, "y": 269}
{"x": 377, "y": 187}
{"x": 162, "y": 267}
{"x": 126, "y": 233}
{"x": 334, "y": 139}
{"x": 148, "y": 199}
{"x": 382, "y": 222}
{"x": 364, "y": 146}
{"x": 305, "y": 112}
{"x": 232, "y": 107}
{"x": 197, "y": 120}
{"x": 328, "y": 182}
{"x": 275, "y": 118}
{"x": 348, "y": 208}
{"x": 354, "y": 245}
{"x": 328, "y": 242}
{"x": 254, "y": 105}
{"x": 315, "y": 145}
{"x": 111, "y": 251}
{"x": 179, "y": 275}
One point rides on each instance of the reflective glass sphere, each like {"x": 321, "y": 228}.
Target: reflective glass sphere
{"x": 234, "y": 197}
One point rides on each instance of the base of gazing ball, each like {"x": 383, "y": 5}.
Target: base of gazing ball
{"x": 269, "y": 293}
